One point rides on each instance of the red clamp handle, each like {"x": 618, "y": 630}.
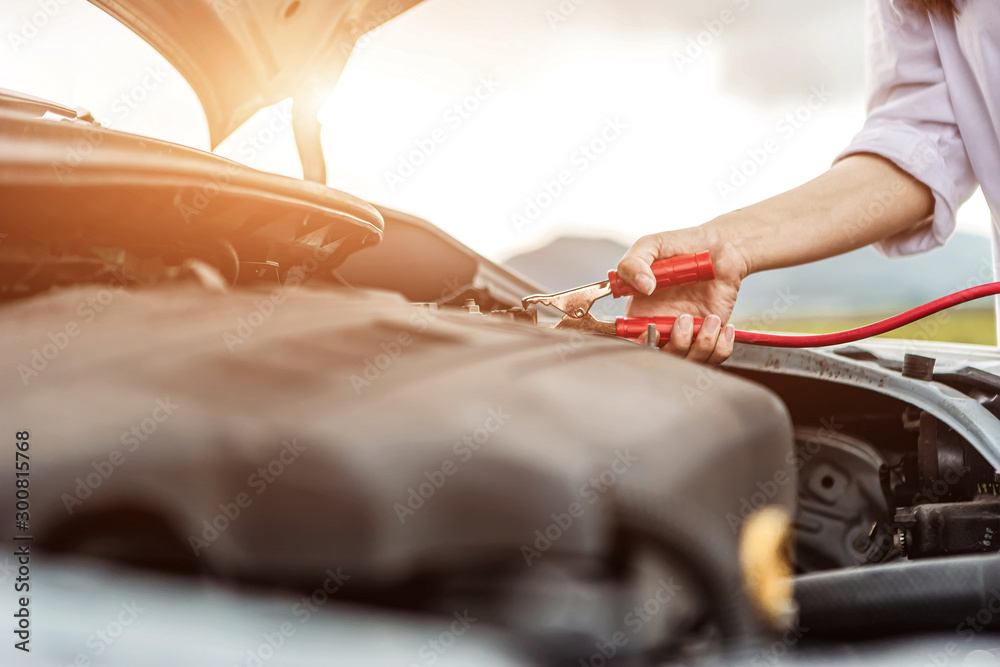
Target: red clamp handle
{"x": 670, "y": 272}
{"x": 633, "y": 327}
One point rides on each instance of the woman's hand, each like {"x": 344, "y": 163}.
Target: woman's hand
{"x": 713, "y": 300}
{"x": 831, "y": 214}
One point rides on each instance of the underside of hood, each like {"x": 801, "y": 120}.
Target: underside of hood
{"x": 243, "y": 55}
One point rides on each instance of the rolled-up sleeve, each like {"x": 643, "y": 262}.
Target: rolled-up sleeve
{"x": 911, "y": 121}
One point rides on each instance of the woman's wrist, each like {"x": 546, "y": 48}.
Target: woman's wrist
{"x": 724, "y": 238}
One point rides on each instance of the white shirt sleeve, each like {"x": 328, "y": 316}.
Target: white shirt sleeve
{"x": 911, "y": 121}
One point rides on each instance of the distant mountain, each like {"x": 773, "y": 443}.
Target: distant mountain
{"x": 860, "y": 282}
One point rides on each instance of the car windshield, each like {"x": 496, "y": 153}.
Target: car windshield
{"x": 552, "y": 134}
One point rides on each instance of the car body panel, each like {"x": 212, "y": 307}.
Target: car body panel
{"x": 61, "y": 173}
{"x": 425, "y": 264}
{"x": 243, "y": 55}
{"x": 964, "y": 414}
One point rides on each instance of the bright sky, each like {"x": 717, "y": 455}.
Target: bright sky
{"x": 507, "y": 124}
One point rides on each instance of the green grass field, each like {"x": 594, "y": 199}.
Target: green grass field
{"x": 962, "y": 325}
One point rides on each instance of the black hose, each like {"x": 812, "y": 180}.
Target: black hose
{"x": 956, "y": 593}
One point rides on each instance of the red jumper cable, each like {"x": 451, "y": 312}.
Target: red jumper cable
{"x": 697, "y": 267}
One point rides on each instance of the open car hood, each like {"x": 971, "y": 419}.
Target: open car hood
{"x": 243, "y": 55}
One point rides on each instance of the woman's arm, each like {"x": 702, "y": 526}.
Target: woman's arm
{"x": 863, "y": 198}
{"x": 903, "y": 178}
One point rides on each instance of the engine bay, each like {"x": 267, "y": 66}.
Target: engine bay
{"x": 881, "y": 480}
